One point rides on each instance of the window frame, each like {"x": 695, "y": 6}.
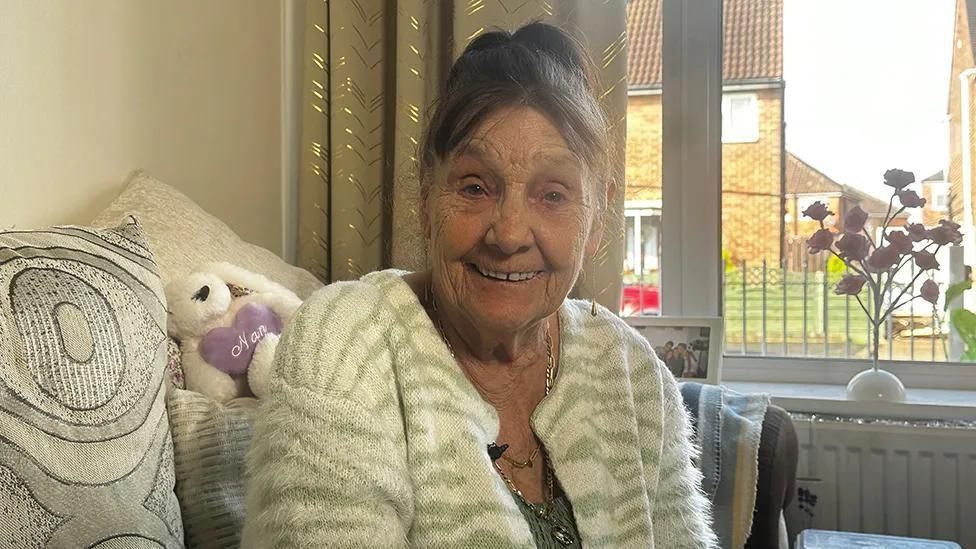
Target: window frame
{"x": 691, "y": 158}
{"x": 940, "y": 189}
{"x": 638, "y": 209}
{"x": 741, "y": 133}
{"x": 691, "y": 198}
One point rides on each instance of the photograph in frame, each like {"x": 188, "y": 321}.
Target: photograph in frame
{"x": 690, "y": 348}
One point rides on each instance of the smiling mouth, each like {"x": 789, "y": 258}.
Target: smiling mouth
{"x": 505, "y": 276}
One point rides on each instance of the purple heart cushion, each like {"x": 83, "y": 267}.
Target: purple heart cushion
{"x": 230, "y": 349}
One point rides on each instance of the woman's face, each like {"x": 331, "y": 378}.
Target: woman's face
{"x": 510, "y": 218}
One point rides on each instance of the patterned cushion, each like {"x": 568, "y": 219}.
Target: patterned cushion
{"x": 210, "y": 441}
{"x": 86, "y": 457}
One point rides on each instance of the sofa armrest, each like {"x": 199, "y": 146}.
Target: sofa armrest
{"x": 776, "y": 481}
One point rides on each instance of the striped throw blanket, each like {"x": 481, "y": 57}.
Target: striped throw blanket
{"x": 728, "y": 428}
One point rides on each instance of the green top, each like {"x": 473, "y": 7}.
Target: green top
{"x": 542, "y": 529}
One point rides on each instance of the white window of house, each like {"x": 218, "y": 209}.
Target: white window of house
{"x": 782, "y": 322}
{"x": 740, "y": 118}
{"x": 940, "y": 197}
{"x": 788, "y": 309}
{"x": 643, "y": 235}
{"x": 641, "y": 278}
{"x": 805, "y": 201}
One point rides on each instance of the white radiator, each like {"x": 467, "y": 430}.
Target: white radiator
{"x": 895, "y": 479}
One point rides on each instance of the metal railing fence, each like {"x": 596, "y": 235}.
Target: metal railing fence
{"x": 774, "y": 311}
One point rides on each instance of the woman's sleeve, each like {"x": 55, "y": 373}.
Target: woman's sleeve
{"x": 327, "y": 465}
{"x": 680, "y": 513}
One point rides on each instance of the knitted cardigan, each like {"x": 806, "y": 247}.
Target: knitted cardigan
{"x": 373, "y": 437}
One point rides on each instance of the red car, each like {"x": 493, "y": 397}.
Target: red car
{"x": 640, "y": 299}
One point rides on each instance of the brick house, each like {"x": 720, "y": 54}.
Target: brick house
{"x": 962, "y": 99}
{"x": 752, "y": 131}
{"x": 938, "y": 202}
{"x": 806, "y": 185}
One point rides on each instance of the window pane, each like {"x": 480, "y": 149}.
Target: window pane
{"x": 630, "y": 257}
{"x": 740, "y": 118}
{"x": 832, "y": 114}
{"x": 650, "y": 252}
{"x": 641, "y": 291}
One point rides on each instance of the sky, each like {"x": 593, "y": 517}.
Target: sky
{"x": 867, "y": 85}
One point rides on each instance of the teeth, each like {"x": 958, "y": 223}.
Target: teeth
{"x": 511, "y": 277}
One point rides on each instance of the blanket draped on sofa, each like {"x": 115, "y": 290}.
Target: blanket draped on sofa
{"x": 728, "y": 427}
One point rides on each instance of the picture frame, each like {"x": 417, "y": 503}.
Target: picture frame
{"x": 697, "y": 344}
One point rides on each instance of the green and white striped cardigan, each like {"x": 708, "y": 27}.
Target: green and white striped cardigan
{"x": 373, "y": 437}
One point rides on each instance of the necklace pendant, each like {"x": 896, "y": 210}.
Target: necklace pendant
{"x": 562, "y": 535}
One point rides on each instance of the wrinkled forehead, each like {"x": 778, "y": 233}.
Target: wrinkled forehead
{"x": 520, "y": 136}
{"x": 523, "y": 153}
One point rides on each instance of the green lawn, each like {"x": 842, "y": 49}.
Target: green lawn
{"x": 817, "y": 322}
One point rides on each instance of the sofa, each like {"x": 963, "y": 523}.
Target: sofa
{"x": 101, "y": 445}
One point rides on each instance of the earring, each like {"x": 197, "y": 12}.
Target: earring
{"x": 593, "y": 306}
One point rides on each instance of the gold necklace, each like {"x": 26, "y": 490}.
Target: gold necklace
{"x": 543, "y": 510}
{"x": 522, "y": 464}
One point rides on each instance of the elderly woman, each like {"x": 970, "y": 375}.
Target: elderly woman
{"x": 473, "y": 404}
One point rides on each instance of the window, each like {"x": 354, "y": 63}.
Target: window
{"x": 688, "y": 230}
{"x": 940, "y": 196}
{"x": 805, "y": 201}
{"x": 641, "y": 282}
{"x": 828, "y": 136}
{"x": 740, "y": 118}
{"x": 641, "y": 291}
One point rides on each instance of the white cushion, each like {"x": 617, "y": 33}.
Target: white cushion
{"x": 183, "y": 236}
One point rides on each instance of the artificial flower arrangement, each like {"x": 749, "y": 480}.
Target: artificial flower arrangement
{"x": 875, "y": 264}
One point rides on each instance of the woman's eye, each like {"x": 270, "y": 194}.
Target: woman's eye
{"x": 554, "y": 197}
{"x": 474, "y": 190}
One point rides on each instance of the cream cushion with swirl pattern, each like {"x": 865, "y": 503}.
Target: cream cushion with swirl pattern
{"x": 86, "y": 457}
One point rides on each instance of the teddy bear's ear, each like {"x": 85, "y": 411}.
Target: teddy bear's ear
{"x": 233, "y": 275}
{"x": 238, "y": 291}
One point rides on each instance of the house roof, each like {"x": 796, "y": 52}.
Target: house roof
{"x": 752, "y": 49}
{"x": 938, "y": 176}
{"x": 873, "y": 205}
{"x": 802, "y": 178}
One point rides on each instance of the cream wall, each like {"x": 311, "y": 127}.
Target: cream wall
{"x": 189, "y": 90}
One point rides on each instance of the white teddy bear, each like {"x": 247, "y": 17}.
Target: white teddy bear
{"x": 227, "y": 321}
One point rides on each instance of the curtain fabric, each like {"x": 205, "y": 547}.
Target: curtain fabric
{"x": 372, "y": 68}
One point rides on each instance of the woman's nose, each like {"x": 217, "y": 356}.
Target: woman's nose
{"x": 511, "y": 230}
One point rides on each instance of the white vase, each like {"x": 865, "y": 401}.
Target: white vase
{"x": 877, "y": 385}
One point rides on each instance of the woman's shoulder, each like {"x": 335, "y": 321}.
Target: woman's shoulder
{"x": 336, "y": 340}
{"x": 611, "y": 338}
{"x": 604, "y": 328}
{"x": 374, "y": 295}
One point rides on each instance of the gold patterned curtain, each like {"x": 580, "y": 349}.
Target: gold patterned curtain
{"x": 372, "y": 68}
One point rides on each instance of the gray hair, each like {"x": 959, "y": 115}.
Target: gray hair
{"x": 537, "y": 66}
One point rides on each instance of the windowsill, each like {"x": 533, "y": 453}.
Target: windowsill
{"x": 831, "y": 399}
